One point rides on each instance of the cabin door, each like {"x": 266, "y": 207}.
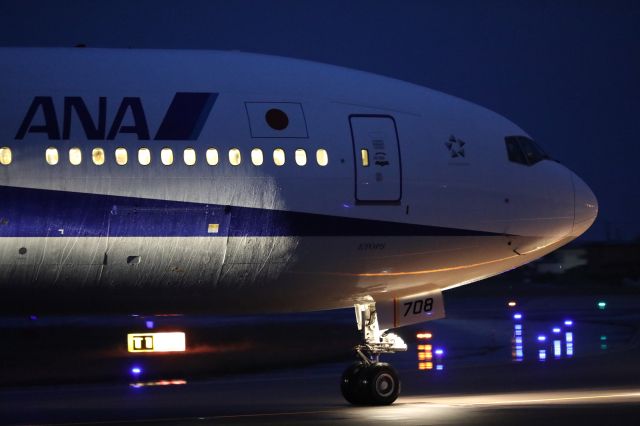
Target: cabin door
{"x": 377, "y": 158}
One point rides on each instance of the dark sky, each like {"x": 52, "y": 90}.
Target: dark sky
{"x": 566, "y": 71}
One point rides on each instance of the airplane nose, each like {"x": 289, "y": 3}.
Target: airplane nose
{"x": 585, "y": 206}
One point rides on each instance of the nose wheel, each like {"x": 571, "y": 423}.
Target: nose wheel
{"x": 373, "y": 384}
{"x": 369, "y": 381}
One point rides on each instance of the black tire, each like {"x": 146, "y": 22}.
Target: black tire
{"x": 383, "y": 384}
{"x": 351, "y": 385}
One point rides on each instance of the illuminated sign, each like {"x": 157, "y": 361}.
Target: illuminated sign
{"x": 156, "y": 342}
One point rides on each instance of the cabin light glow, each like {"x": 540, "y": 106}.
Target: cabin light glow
{"x": 278, "y": 157}
{"x": 568, "y": 323}
{"x": 121, "y": 156}
{"x": 556, "y": 330}
{"x": 517, "y": 316}
{"x": 256, "y": 157}
{"x": 75, "y": 156}
{"x": 512, "y": 304}
{"x": 439, "y": 352}
{"x": 234, "y": 156}
{"x": 97, "y": 156}
{"x": 424, "y": 335}
{"x": 5, "y": 156}
{"x": 542, "y": 355}
{"x": 156, "y": 342}
{"x": 542, "y": 338}
{"x": 189, "y": 156}
{"x": 166, "y": 156}
{"x": 301, "y": 157}
{"x": 602, "y": 305}
{"x": 144, "y": 156}
{"x": 365, "y": 157}
{"x": 322, "y": 157}
{"x": 212, "y": 157}
{"x": 51, "y": 155}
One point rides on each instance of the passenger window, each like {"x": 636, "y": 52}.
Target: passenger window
{"x": 5, "y": 156}
{"x": 322, "y": 157}
{"x": 256, "y": 157}
{"x": 234, "y": 156}
{"x": 144, "y": 156}
{"x": 75, "y": 156}
{"x": 121, "y": 156}
{"x": 278, "y": 156}
{"x": 97, "y": 155}
{"x": 364, "y": 154}
{"x": 189, "y": 156}
{"x": 51, "y": 155}
{"x": 166, "y": 156}
{"x": 212, "y": 156}
{"x": 301, "y": 157}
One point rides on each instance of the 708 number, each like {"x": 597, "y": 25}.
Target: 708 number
{"x": 419, "y": 306}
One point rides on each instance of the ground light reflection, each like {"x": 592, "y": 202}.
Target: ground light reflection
{"x": 546, "y": 344}
{"x": 428, "y": 357}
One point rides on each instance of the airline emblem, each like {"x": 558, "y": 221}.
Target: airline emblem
{"x": 455, "y": 146}
{"x": 183, "y": 120}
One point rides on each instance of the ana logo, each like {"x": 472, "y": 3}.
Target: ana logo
{"x": 455, "y": 146}
{"x": 183, "y": 120}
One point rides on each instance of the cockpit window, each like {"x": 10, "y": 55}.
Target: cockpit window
{"x": 523, "y": 150}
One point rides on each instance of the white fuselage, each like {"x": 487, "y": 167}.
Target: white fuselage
{"x": 434, "y": 202}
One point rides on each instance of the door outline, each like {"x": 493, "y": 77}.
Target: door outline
{"x": 355, "y": 161}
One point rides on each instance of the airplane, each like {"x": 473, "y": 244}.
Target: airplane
{"x": 236, "y": 183}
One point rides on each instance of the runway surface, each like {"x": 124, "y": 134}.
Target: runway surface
{"x": 481, "y": 375}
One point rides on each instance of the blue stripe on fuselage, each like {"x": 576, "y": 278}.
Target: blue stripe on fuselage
{"x": 47, "y": 213}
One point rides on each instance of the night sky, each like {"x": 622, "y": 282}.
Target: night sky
{"x": 568, "y": 71}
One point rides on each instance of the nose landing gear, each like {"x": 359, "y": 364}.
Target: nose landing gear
{"x": 369, "y": 381}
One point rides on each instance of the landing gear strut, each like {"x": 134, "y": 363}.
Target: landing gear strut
{"x": 369, "y": 381}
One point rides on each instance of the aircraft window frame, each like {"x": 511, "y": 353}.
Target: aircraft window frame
{"x": 523, "y": 150}
{"x": 187, "y": 156}
{"x": 257, "y": 157}
{"x": 52, "y": 156}
{"x": 300, "y": 157}
{"x": 6, "y": 156}
{"x": 235, "y": 157}
{"x": 213, "y": 158}
{"x": 122, "y": 156}
{"x": 166, "y": 156}
{"x": 322, "y": 157}
{"x": 279, "y": 157}
{"x": 75, "y": 156}
{"x": 98, "y": 156}
{"x": 144, "y": 161}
